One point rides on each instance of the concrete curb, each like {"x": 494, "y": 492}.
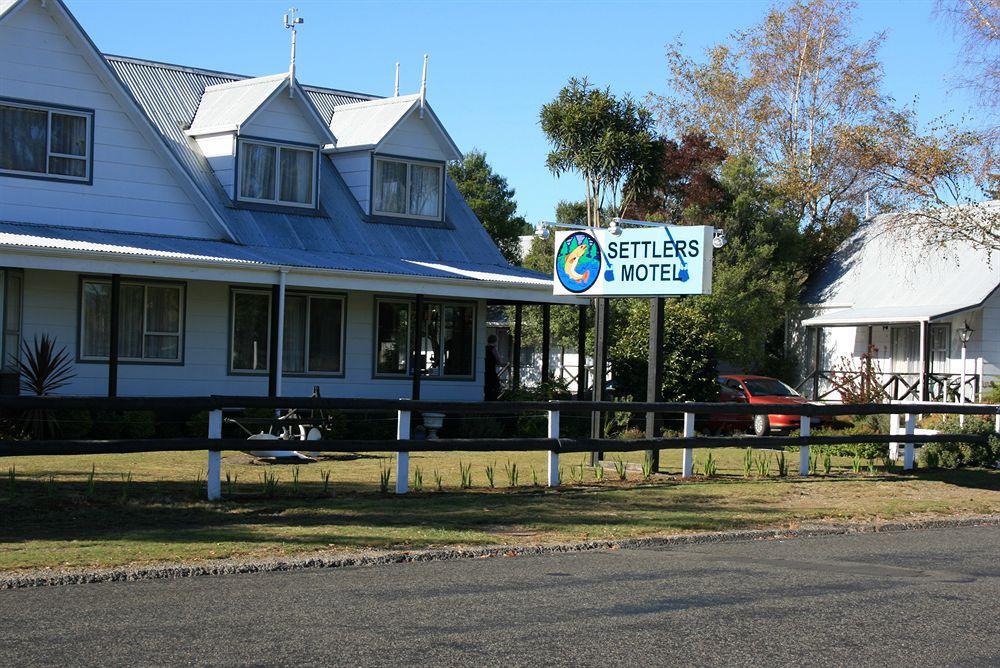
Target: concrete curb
{"x": 47, "y": 577}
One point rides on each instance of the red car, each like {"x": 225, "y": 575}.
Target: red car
{"x": 757, "y": 390}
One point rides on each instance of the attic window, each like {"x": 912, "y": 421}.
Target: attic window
{"x": 45, "y": 142}
{"x": 279, "y": 174}
{"x": 408, "y": 189}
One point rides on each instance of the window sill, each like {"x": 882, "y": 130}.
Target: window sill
{"x": 409, "y": 222}
{"x": 312, "y": 212}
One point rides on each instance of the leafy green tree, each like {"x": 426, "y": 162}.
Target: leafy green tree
{"x": 492, "y": 200}
{"x": 608, "y": 140}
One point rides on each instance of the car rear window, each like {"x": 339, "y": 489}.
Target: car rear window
{"x": 769, "y": 387}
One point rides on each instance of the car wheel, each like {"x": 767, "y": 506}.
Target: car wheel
{"x": 761, "y": 425}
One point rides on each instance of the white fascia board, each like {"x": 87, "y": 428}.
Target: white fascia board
{"x": 349, "y": 149}
{"x": 305, "y": 105}
{"x": 212, "y": 130}
{"x": 125, "y": 98}
{"x": 444, "y": 139}
{"x": 13, "y": 9}
{"x": 102, "y": 262}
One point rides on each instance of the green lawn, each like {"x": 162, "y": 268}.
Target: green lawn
{"x": 53, "y": 516}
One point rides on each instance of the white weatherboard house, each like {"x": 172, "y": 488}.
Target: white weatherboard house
{"x": 912, "y": 305}
{"x": 223, "y": 218}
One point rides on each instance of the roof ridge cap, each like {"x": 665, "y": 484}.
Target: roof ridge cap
{"x": 253, "y": 81}
{"x": 379, "y": 101}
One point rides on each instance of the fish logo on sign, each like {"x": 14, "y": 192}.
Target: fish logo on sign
{"x": 578, "y": 262}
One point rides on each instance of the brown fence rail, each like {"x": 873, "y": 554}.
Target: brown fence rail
{"x": 405, "y": 408}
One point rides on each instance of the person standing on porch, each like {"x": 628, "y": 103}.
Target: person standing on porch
{"x": 491, "y": 385}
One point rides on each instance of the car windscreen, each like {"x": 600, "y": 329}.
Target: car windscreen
{"x": 769, "y": 387}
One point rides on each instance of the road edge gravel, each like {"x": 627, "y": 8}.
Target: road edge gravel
{"x": 53, "y": 577}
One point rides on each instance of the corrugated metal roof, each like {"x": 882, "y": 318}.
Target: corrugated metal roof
{"x": 23, "y": 235}
{"x": 228, "y": 105}
{"x": 882, "y": 269}
{"x": 364, "y": 124}
{"x": 170, "y": 96}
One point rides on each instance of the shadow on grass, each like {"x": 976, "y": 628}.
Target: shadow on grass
{"x": 165, "y": 513}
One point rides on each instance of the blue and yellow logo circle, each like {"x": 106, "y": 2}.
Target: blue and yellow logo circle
{"x": 578, "y": 262}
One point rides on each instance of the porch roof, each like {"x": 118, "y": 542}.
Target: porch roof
{"x": 201, "y": 251}
{"x": 846, "y": 317}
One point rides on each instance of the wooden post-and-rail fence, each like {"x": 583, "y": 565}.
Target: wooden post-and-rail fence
{"x": 552, "y": 443}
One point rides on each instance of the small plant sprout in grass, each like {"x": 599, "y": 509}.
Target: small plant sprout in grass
{"x": 90, "y": 481}
{"x": 599, "y": 472}
{"x": 856, "y": 464}
{"x": 126, "y": 481}
{"x": 576, "y": 473}
{"x": 418, "y": 479}
{"x": 763, "y": 465}
{"x": 197, "y": 483}
{"x": 888, "y": 465}
{"x": 438, "y": 481}
{"x": 647, "y": 466}
{"x": 384, "y": 475}
{"x": 782, "y": 463}
{"x": 534, "y": 477}
{"x": 871, "y": 466}
{"x": 711, "y": 467}
{"x": 490, "y": 473}
{"x": 269, "y": 479}
{"x": 748, "y": 462}
{"x": 231, "y": 477}
{"x": 295, "y": 480}
{"x": 466, "y": 471}
{"x": 621, "y": 468}
{"x": 813, "y": 463}
{"x": 510, "y": 468}
{"x": 11, "y": 481}
{"x": 827, "y": 463}
{"x": 324, "y": 475}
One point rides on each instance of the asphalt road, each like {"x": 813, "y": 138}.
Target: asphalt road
{"x": 919, "y": 598}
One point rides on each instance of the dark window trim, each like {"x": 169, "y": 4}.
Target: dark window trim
{"x": 428, "y": 300}
{"x": 182, "y": 344}
{"x": 276, "y": 206}
{"x": 407, "y": 219}
{"x": 286, "y": 374}
{"x": 52, "y": 106}
{"x": 7, "y": 271}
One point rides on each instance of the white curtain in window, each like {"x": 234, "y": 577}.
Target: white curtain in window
{"x": 163, "y": 322}
{"x": 296, "y": 176}
{"x": 23, "y": 139}
{"x": 256, "y": 171}
{"x": 294, "y": 344}
{"x": 130, "y": 326}
{"x": 390, "y": 186}
{"x": 69, "y": 137}
{"x": 425, "y": 190}
{"x": 325, "y": 322}
{"x": 96, "y": 319}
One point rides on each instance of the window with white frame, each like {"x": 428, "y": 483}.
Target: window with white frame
{"x": 150, "y": 321}
{"x": 45, "y": 141}
{"x": 408, "y": 188}
{"x": 281, "y": 174}
{"x": 447, "y": 334}
{"x": 940, "y": 345}
{"x": 313, "y": 334}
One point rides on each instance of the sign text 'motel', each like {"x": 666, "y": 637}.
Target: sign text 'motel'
{"x": 639, "y": 262}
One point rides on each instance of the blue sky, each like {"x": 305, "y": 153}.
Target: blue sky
{"x": 493, "y": 64}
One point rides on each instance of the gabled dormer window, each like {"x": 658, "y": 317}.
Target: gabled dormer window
{"x": 42, "y": 141}
{"x": 280, "y": 174}
{"x": 408, "y": 188}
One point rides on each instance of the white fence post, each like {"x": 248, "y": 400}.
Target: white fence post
{"x": 553, "y": 458}
{"x": 687, "y": 463}
{"x": 911, "y": 424}
{"x": 996, "y": 423}
{"x": 403, "y": 458}
{"x": 214, "y": 478}
{"x": 805, "y": 428}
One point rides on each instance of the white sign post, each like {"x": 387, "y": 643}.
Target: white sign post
{"x": 637, "y": 262}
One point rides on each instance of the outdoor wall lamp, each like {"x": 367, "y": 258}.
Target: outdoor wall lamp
{"x": 965, "y": 334}
{"x": 542, "y": 231}
{"x": 614, "y": 228}
{"x": 719, "y": 240}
